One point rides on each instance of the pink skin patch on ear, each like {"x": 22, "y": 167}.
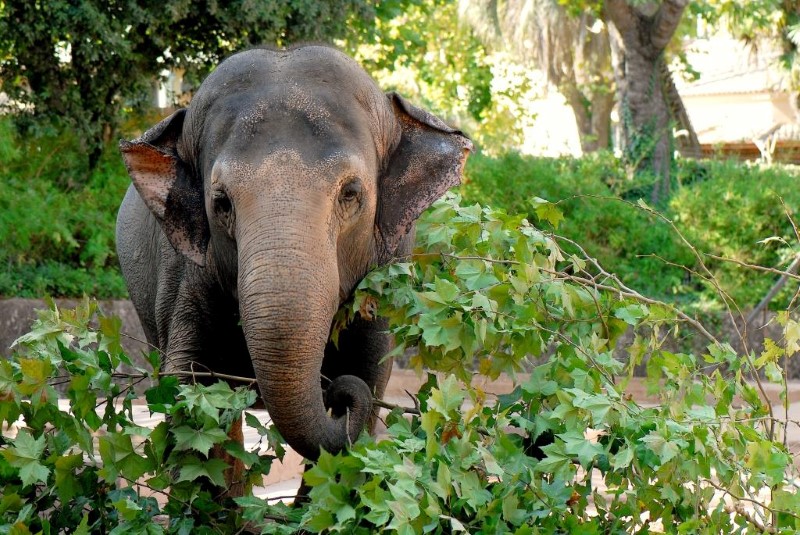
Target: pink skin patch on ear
{"x": 153, "y": 174}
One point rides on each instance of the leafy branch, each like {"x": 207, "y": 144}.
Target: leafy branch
{"x": 485, "y": 294}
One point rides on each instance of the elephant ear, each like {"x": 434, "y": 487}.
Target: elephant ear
{"x": 167, "y": 186}
{"x": 428, "y": 161}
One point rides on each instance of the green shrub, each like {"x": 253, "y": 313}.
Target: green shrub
{"x": 731, "y": 212}
{"x": 588, "y": 191}
{"x": 723, "y": 208}
{"x": 57, "y": 219}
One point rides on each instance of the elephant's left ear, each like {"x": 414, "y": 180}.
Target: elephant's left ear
{"x": 428, "y": 161}
{"x": 168, "y": 187}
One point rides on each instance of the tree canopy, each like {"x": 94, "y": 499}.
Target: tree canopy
{"x": 78, "y": 64}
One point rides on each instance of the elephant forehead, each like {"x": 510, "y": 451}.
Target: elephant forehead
{"x": 289, "y": 166}
{"x": 288, "y": 99}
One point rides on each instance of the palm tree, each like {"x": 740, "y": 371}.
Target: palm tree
{"x": 572, "y": 50}
{"x": 576, "y": 46}
{"x": 640, "y": 35}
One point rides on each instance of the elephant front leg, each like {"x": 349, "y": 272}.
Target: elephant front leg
{"x": 193, "y": 345}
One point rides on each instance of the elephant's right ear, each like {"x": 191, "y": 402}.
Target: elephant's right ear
{"x": 167, "y": 186}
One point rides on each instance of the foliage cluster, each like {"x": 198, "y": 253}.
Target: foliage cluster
{"x": 725, "y": 209}
{"x": 78, "y": 64}
{"x": 567, "y": 451}
{"x": 421, "y": 50}
{"x": 56, "y": 219}
{"x": 72, "y": 469}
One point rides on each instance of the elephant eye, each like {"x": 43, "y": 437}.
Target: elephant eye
{"x": 223, "y": 210}
{"x": 222, "y": 202}
{"x": 350, "y": 192}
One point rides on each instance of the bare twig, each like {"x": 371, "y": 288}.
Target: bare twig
{"x": 774, "y": 290}
{"x": 710, "y": 278}
{"x": 390, "y": 406}
{"x": 145, "y": 342}
{"x": 414, "y": 399}
{"x": 791, "y": 219}
{"x": 738, "y": 509}
{"x": 756, "y": 267}
{"x": 215, "y": 375}
{"x": 745, "y": 499}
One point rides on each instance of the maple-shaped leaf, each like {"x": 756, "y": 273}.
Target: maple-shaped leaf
{"x": 25, "y": 454}
{"x": 187, "y": 438}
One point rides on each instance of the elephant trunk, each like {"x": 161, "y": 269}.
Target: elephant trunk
{"x": 287, "y": 300}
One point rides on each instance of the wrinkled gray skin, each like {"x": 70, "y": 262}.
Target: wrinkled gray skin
{"x": 255, "y": 212}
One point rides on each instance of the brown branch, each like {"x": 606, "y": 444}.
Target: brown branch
{"x": 774, "y": 290}
{"x": 755, "y": 267}
{"x": 666, "y": 22}
{"x": 745, "y": 499}
{"x": 227, "y": 377}
{"x": 738, "y": 509}
{"x": 390, "y": 406}
{"x": 620, "y": 14}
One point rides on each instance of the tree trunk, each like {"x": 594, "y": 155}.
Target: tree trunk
{"x": 638, "y": 44}
{"x": 592, "y": 117}
{"x": 687, "y": 142}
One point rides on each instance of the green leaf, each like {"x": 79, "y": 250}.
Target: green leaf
{"x": 547, "y": 211}
{"x": 764, "y": 458}
{"x": 442, "y": 331}
{"x": 236, "y": 450}
{"x": 598, "y": 405}
{"x": 202, "y": 440}
{"x": 119, "y": 457}
{"x": 127, "y": 508}
{"x": 323, "y": 471}
{"x": 632, "y": 314}
{"x": 320, "y": 521}
{"x": 32, "y": 472}
{"x": 474, "y": 274}
{"x": 25, "y": 454}
{"x": 512, "y": 512}
{"x": 557, "y": 462}
{"x": 446, "y": 290}
{"x": 193, "y": 468}
{"x": 575, "y": 443}
{"x": 666, "y": 450}
{"x": 67, "y": 484}
{"x": 448, "y": 398}
{"x": 430, "y": 422}
{"x": 83, "y": 527}
{"x": 622, "y": 459}
{"x": 252, "y": 421}
{"x": 163, "y": 394}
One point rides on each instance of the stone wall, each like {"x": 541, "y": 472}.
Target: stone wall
{"x": 17, "y": 315}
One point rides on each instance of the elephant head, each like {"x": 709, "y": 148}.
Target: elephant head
{"x": 289, "y": 175}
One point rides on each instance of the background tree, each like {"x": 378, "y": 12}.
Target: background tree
{"x": 571, "y": 48}
{"x": 78, "y": 64}
{"x": 572, "y": 43}
{"x": 640, "y": 36}
{"x": 421, "y": 50}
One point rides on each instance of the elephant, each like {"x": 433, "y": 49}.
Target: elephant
{"x": 255, "y": 211}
